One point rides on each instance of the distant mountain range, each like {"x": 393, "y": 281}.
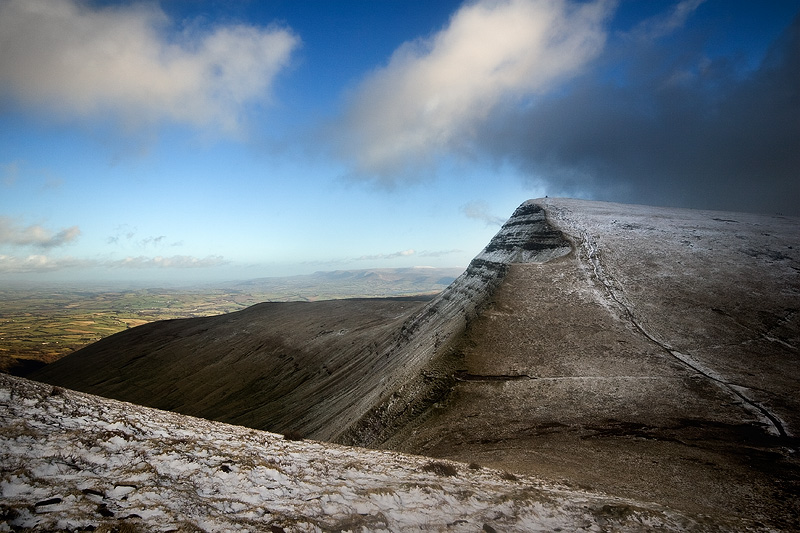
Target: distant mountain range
{"x": 648, "y": 353}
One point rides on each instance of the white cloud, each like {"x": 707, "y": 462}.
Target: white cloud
{"x": 438, "y": 253}
{"x": 68, "y": 57}
{"x": 34, "y": 235}
{"x": 38, "y": 263}
{"x": 393, "y": 255}
{"x": 435, "y": 92}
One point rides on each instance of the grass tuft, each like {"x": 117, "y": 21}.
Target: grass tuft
{"x": 293, "y": 435}
{"x": 508, "y": 476}
{"x": 440, "y": 469}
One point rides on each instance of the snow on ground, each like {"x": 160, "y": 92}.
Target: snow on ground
{"x": 72, "y": 461}
{"x": 666, "y": 267}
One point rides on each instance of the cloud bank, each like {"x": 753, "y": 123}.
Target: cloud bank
{"x": 435, "y": 92}
{"x": 701, "y": 133}
{"x": 393, "y": 255}
{"x": 77, "y": 60}
{"x": 39, "y": 263}
{"x": 644, "y": 114}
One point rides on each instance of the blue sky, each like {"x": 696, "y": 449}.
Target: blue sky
{"x": 187, "y": 141}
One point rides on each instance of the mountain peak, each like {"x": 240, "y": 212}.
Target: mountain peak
{"x": 644, "y": 352}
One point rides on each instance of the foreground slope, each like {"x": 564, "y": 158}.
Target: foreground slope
{"x": 73, "y": 462}
{"x": 660, "y": 359}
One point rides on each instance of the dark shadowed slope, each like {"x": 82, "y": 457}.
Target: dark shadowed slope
{"x": 265, "y": 367}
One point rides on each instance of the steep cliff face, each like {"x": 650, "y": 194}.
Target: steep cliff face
{"x": 344, "y": 370}
{"x": 423, "y": 359}
{"x": 527, "y": 237}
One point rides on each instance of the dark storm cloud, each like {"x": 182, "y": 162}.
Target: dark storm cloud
{"x": 675, "y": 129}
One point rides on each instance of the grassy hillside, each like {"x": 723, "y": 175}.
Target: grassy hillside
{"x": 281, "y": 366}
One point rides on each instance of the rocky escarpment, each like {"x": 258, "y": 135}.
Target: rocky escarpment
{"x": 425, "y": 354}
{"x": 527, "y": 237}
{"x": 339, "y": 370}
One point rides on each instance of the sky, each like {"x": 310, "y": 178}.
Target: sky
{"x": 189, "y": 141}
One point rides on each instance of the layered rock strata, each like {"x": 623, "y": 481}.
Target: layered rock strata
{"x": 423, "y": 360}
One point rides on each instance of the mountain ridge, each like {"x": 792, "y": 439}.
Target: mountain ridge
{"x": 641, "y": 351}
{"x": 392, "y": 365}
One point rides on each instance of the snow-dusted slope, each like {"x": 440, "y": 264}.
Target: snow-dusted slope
{"x": 659, "y": 360}
{"x": 71, "y": 461}
{"x": 718, "y": 291}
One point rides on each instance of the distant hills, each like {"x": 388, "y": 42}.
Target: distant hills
{"x": 643, "y": 352}
{"x": 369, "y": 283}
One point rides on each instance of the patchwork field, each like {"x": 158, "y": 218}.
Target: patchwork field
{"x": 39, "y": 325}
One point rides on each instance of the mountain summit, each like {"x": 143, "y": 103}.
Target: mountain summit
{"x": 646, "y": 352}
